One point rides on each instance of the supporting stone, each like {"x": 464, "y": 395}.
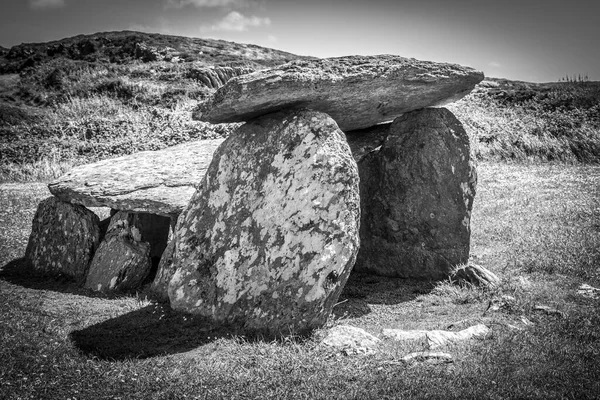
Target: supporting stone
{"x": 63, "y": 239}
{"x": 123, "y": 260}
{"x": 417, "y": 192}
{"x": 269, "y": 239}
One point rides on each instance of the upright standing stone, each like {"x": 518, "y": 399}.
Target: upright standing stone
{"x": 417, "y": 193}
{"x": 122, "y": 261}
{"x": 269, "y": 239}
{"x": 63, "y": 239}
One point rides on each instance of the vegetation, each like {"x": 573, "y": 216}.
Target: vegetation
{"x": 535, "y": 226}
{"x": 93, "y": 97}
{"x": 518, "y": 121}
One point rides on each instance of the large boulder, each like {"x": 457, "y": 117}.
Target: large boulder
{"x": 269, "y": 239}
{"x": 417, "y": 192}
{"x": 157, "y": 182}
{"x": 63, "y": 240}
{"x": 356, "y": 91}
{"x": 122, "y": 262}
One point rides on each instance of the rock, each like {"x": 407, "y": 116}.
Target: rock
{"x": 269, "y": 239}
{"x": 215, "y": 77}
{"x": 475, "y": 275}
{"x": 166, "y": 269}
{"x": 122, "y": 261}
{"x": 351, "y": 340}
{"x": 366, "y": 141}
{"x": 436, "y": 338}
{"x": 157, "y": 182}
{"x": 356, "y": 91}
{"x": 429, "y": 357}
{"x": 548, "y": 310}
{"x": 64, "y": 238}
{"x": 588, "y": 291}
{"x": 417, "y": 192}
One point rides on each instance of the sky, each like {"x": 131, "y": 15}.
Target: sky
{"x": 528, "y": 40}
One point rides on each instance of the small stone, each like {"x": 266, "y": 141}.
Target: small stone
{"x": 588, "y": 291}
{"x": 351, "y": 340}
{"x": 64, "y": 238}
{"x": 436, "y": 338}
{"x": 428, "y": 356}
{"x": 475, "y": 275}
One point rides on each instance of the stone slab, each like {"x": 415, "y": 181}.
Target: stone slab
{"x": 356, "y": 91}
{"x": 157, "y": 182}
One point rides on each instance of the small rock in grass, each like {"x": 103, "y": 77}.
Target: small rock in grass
{"x": 475, "y": 275}
{"x": 588, "y": 291}
{"x": 428, "y": 356}
{"x": 437, "y": 338}
{"x": 351, "y": 340}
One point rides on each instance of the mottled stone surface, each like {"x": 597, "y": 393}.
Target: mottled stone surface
{"x": 122, "y": 261}
{"x": 268, "y": 241}
{"x": 351, "y": 340}
{"x": 158, "y": 182}
{"x": 474, "y": 274}
{"x": 356, "y": 91}
{"x": 166, "y": 269}
{"x": 417, "y": 193}
{"x": 63, "y": 239}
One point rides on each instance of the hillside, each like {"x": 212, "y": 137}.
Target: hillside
{"x": 91, "y": 97}
{"x": 97, "y": 96}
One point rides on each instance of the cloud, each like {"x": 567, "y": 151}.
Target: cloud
{"x": 205, "y": 3}
{"x": 238, "y": 22}
{"x": 495, "y": 64}
{"x": 44, "y": 4}
{"x": 272, "y": 39}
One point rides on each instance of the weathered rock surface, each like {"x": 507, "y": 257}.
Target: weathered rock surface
{"x": 351, "y": 340}
{"x": 215, "y": 77}
{"x": 356, "y": 91}
{"x": 428, "y": 357}
{"x": 436, "y": 338}
{"x": 122, "y": 261}
{"x": 64, "y": 238}
{"x": 417, "y": 193}
{"x": 268, "y": 241}
{"x": 166, "y": 270}
{"x": 157, "y": 182}
{"x": 474, "y": 274}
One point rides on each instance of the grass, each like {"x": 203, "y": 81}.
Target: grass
{"x": 537, "y": 226}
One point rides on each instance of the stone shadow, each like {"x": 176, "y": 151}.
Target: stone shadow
{"x": 154, "y": 330}
{"x": 364, "y": 289}
{"x": 19, "y": 273}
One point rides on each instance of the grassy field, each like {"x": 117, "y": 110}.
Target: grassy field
{"x": 536, "y": 225}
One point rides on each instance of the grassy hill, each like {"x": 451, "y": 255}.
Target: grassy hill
{"x": 92, "y": 97}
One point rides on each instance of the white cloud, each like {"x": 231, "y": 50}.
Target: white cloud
{"x": 495, "y": 64}
{"x": 43, "y": 4}
{"x": 205, "y": 3}
{"x": 272, "y": 39}
{"x": 238, "y": 22}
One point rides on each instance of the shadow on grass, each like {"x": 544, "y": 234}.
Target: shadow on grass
{"x": 19, "y": 273}
{"x": 154, "y": 330}
{"x": 363, "y": 289}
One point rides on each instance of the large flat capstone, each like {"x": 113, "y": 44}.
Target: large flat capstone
{"x": 356, "y": 91}
{"x": 269, "y": 239}
{"x": 158, "y": 182}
